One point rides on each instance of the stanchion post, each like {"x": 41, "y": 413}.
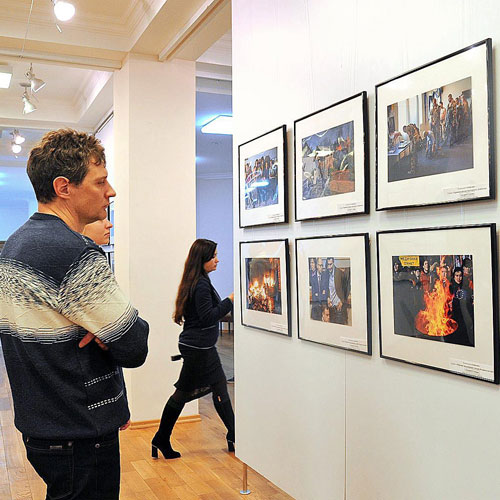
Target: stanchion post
{"x": 245, "y": 490}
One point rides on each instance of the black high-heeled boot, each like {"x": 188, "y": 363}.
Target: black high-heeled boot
{"x": 161, "y": 440}
{"x": 226, "y": 414}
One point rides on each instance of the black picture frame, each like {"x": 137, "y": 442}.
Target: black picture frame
{"x": 262, "y": 320}
{"x": 356, "y": 336}
{"x": 454, "y": 160}
{"x": 350, "y": 194}
{"x": 466, "y": 349}
{"x": 273, "y": 203}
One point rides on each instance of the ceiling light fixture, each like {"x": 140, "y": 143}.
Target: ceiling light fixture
{"x": 15, "y": 148}
{"x": 17, "y": 137}
{"x": 5, "y": 76}
{"x": 221, "y": 124}
{"x": 64, "y": 11}
{"x": 36, "y": 83}
{"x": 29, "y": 107}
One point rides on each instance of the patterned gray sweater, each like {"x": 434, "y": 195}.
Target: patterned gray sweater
{"x": 56, "y": 285}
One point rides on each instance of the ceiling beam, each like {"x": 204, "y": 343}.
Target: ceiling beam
{"x": 205, "y": 14}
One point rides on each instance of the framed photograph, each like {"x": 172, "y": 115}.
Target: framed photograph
{"x": 262, "y": 167}
{"x": 265, "y": 288}
{"x": 2, "y": 243}
{"x": 331, "y": 161}
{"x": 435, "y": 141}
{"x": 438, "y": 299}
{"x": 333, "y": 291}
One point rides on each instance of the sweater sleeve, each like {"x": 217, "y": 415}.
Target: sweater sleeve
{"x": 209, "y": 314}
{"x": 90, "y": 297}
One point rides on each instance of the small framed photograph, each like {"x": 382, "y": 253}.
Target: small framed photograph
{"x": 331, "y": 161}
{"x": 438, "y": 299}
{"x": 265, "y": 288}
{"x": 333, "y": 291}
{"x": 262, "y": 167}
{"x": 435, "y": 141}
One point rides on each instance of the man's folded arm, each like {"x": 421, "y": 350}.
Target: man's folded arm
{"x": 89, "y": 296}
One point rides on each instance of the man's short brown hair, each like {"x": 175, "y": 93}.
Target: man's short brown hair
{"x": 62, "y": 153}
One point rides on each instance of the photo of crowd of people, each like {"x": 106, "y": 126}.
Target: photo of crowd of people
{"x": 431, "y": 133}
{"x": 330, "y": 290}
{"x": 263, "y": 281}
{"x": 434, "y": 298}
{"x": 328, "y": 162}
{"x": 261, "y": 179}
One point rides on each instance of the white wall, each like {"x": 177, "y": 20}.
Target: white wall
{"x": 214, "y": 195}
{"x": 214, "y": 221}
{"x": 319, "y": 422}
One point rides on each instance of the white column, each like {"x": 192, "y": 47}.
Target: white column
{"x": 154, "y": 129}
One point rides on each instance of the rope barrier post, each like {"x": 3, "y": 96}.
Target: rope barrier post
{"x": 245, "y": 490}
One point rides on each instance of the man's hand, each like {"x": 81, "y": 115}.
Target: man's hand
{"x": 125, "y": 426}
{"x": 89, "y": 338}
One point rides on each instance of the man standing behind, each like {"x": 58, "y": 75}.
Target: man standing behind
{"x": 65, "y": 325}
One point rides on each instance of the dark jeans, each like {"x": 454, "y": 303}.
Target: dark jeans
{"x": 83, "y": 469}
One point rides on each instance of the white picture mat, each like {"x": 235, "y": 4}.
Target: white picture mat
{"x": 436, "y": 188}
{"x": 267, "y": 249}
{"x": 467, "y": 241}
{"x": 352, "y": 247}
{"x": 351, "y": 110}
{"x": 271, "y": 213}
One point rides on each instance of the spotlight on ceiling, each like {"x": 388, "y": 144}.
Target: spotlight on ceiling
{"x": 16, "y": 148}
{"x": 221, "y": 124}
{"x": 36, "y": 83}
{"x": 17, "y": 138}
{"x": 29, "y": 107}
{"x": 5, "y": 76}
{"x": 64, "y": 11}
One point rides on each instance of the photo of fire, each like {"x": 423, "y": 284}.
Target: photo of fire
{"x": 263, "y": 285}
{"x": 433, "y": 297}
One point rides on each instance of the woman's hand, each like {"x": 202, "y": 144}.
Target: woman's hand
{"x": 231, "y": 296}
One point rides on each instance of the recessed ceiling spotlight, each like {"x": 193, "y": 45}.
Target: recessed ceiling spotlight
{"x": 64, "y": 11}
{"x": 221, "y": 124}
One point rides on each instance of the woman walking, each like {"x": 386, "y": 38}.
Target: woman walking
{"x": 199, "y": 307}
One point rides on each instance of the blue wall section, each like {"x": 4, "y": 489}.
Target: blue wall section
{"x": 214, "y": 187}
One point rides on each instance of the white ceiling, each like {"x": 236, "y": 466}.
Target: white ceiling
{"x": 78, "y": 70}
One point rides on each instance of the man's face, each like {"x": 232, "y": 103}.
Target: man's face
{"x": 320, "y": 266}
{"x": 457, "y": 276}
{"x": 329, "y": 265}
{"x": 426, "y": 266}
{"x": 312, "y": 265}
{"x": 91, "y": 198}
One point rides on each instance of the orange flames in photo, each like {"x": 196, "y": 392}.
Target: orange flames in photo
{"x": 435, "y": 320}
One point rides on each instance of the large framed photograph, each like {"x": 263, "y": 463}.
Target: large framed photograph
{"x": 435, "y": 140}
{"x": 262, "y": 168}
{"x": 333, "y": 291}
{"x": 265, "y": 289}
{"x": 438, "y": 299}
{"x": 331, "y": 161}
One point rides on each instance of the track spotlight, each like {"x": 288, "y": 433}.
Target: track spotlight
{"x": 36, "y": 83}
{"x": 15, "y": 148}
{"x": 64, "y": 11}
{"x": 17, "y": 138}
{"x": 29, "y": 107}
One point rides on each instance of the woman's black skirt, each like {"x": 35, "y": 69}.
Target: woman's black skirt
{"x": 201, "y": 368}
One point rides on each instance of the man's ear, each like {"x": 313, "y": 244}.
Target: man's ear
{"x": 61, "y": 187}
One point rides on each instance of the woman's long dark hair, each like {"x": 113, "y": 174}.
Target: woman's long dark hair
{"x": 201, "y": 251}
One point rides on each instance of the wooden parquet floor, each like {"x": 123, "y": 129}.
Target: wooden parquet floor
{"x": 206, "y": 471}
